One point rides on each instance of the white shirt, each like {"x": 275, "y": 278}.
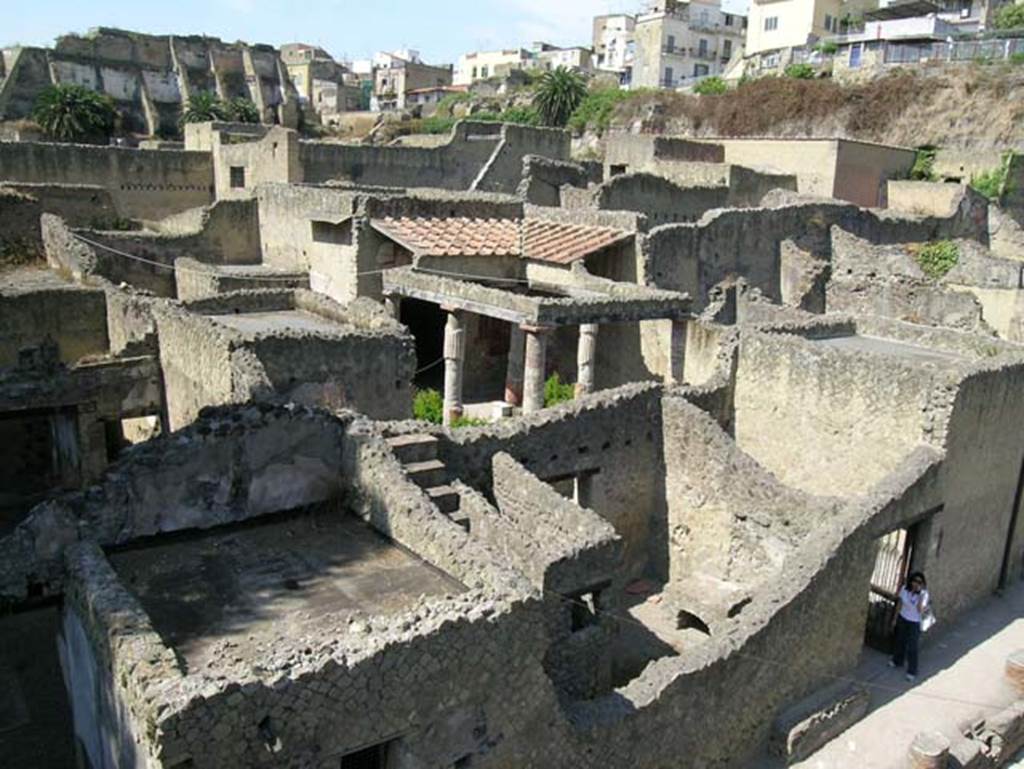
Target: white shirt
{"x": 913, "y": 606}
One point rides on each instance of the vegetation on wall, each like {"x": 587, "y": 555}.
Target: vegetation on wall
{"x": 559, "y": 93}
{"x": 242, "y": 110}
{"x": 73, "y": 113}
{"x": 923, "y": 169}
{"x": 17, "y": 252}
{"x": 993, "y": 184}
{"x": 597, "y": 109}
{"x": 936, "y": 258}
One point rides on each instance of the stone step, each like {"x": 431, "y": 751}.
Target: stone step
{"x": 445, "y": 497}
{"x": 427, "y": 474}
{"x": 414, "y": 448}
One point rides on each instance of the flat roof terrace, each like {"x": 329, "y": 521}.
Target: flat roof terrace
{"x": 905, "y": 351}
{"x": 251, "y": 588}
{"x": 255, "y": 324}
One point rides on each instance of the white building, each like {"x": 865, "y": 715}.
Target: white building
{"x": 677, "y": 42}
{"x": 615, "y": 44}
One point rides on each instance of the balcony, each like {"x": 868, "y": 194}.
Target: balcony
{"x": 705, "y": 54}
{"x": 673, "y": 50}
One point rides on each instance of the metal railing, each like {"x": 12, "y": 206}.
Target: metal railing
{"x": 966, "y": 50}
{"x": 704, "y": 53}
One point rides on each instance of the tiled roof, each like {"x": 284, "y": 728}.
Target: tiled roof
{"x": 538, "y": 239}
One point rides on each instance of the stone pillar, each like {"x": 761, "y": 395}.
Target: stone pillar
{"x": 454, "y": 357}
{"x": 585, "y": 355}
{"x": 393, "y": 304}
{"x": 929, "y": 750}
{"x": 516, "y": 361}
{"x": 674, "y": 375}
{"x": 1015, "y": 670}
{"x": 535, "y": 362}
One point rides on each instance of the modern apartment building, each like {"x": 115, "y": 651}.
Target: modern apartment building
{"x": 396, "y": 74}
{"x": 778, "y": 28}
{"x": 483, "y": 65}
{"x": 677, "y": 42}
{"x": 615, "y": 45}
{"x": 324, "y": 85}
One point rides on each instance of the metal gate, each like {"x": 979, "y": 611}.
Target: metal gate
{"x": 892, "y": 565}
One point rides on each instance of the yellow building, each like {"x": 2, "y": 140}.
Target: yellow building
{"x": 776, "y": 27}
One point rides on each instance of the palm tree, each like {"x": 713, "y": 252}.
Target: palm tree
{"x": 559, "y": 93}
{"x": 242, "y": 110}
{"x": 204, "y": 107}
{"x": 74, "y": 113}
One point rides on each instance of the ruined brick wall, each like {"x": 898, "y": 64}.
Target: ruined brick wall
{"x": 73, "y": 317}
{"x": 614, "y": 434}
{"x": 21, "y": 206}
{"x": 453, "y": 166}
{"x": 748, "y": 242}
{"x": 660, "y": 199}
{"x": 143, "y": 184}
{"x": 243, "y": 462}
{"x": 504, "y": 170}
{"x": 840, "y": 429}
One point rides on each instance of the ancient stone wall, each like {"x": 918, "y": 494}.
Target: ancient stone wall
{"x": 660, "y": 199}
{"x": 830, "y": 421}
{"x": 504, "y": 170}
{"x": 143, "y": 184}
{"x": 72, "y": 317}
{"x": 244, "y": 461}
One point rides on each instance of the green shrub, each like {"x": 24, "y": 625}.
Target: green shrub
{"x": 1016, "y": 58}
{"x": 827, "y": 48}
{"x": 711, "y": 86}
{"x": 521, "y": 116}
{"x": 556, "y": 391}
{"x": 597, "y": 109}
{"x": 1010, "y": 17}
{"x": 936, "y": 258}
{"x": 924, "y": 165}
{"x": 74, "y": 113}
{"x": 993, "y": 184}
{"x": 800, "y": 71}
{"x": 428, "y": 406}
{"x": 436, "y": 124}
{"x": 242, "y": 110}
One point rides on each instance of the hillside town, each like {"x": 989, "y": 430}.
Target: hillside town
{"x": 652, "y": 400}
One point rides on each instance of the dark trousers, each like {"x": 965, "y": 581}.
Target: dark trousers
{"x": 905, "y": 644}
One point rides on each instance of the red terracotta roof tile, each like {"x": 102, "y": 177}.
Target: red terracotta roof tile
{"x": 538, "y": 239}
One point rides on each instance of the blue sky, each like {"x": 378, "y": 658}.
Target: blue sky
{"x": 440, "y": 30}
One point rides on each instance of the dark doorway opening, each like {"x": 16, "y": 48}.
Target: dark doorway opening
{"x": 426, "y": 322}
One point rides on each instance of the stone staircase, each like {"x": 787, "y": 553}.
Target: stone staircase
{"x": 418, "y": 455}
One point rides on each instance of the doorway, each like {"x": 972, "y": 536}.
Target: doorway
{"x": 892, "y": 566}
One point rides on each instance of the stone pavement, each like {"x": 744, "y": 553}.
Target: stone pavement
{"x": 961, "y": 680}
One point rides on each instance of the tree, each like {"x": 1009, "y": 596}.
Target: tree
{"x": 74, "y": 113}
{"x": 559, "y": 92}
{"x": 204, "y": 107}
{"x": 1010, "y": 17}
{"x": 242, "y": 110}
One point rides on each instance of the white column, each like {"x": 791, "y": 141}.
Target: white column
{"x": 516, "y": 361}
{"x": 585, "y": 355}
{"x": 535, "y": 362}
{"x": 454, "y": 356}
